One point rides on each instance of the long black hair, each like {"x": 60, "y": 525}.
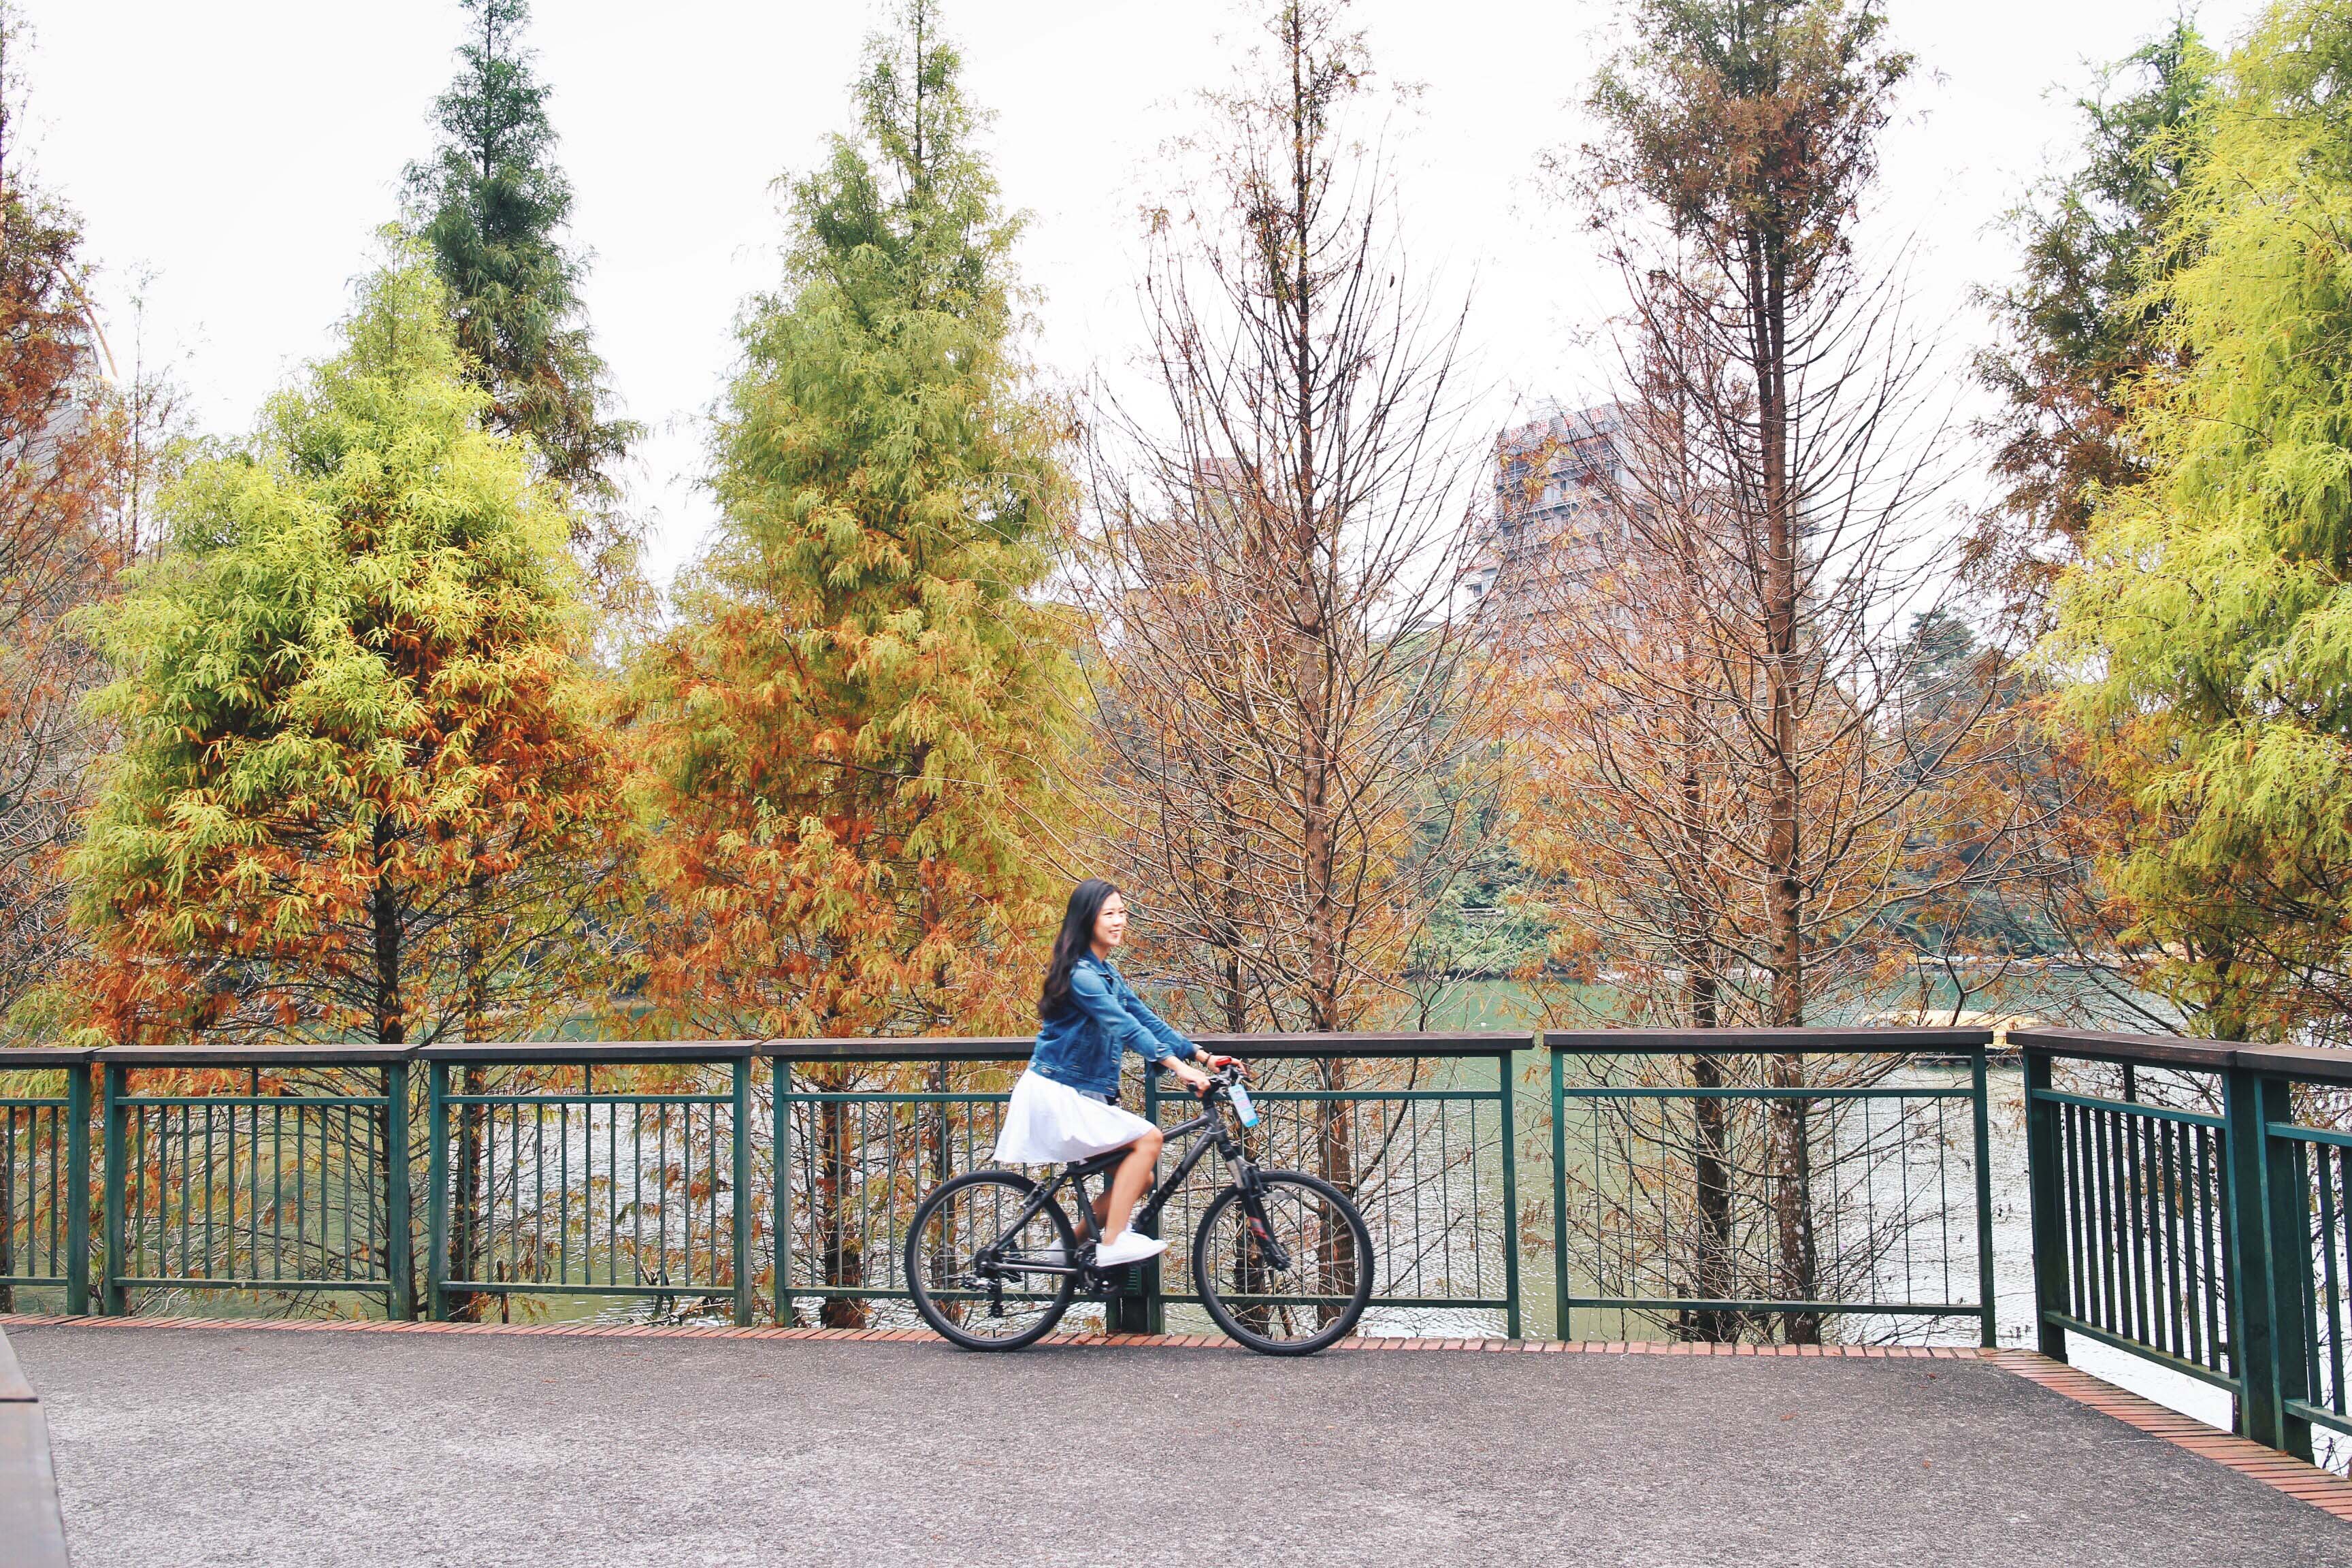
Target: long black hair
{"x": 1073, "y": 942}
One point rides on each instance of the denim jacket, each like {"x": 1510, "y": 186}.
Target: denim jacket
{"x": 1081, "y": 1047}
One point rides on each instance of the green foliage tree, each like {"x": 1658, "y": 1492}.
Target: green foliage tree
{"x": 2083, "y": 324}
{"x": 361, "y": 789}
{"x": 2212, "y": 616}
{"x": 491, "y": 204}
{"x": 852, "y": 733}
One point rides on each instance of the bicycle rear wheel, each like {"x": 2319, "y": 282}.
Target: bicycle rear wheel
{"x": 1304, "y": 1291}
{"x": 970, "y": 1266}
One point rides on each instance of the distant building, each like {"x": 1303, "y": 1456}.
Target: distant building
{"x": 1543, "y": 536}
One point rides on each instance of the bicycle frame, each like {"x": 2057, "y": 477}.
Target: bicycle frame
{"x": 1214, "y": 1133}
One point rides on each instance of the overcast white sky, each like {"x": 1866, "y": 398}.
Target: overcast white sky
{"x": 243, "y": 153}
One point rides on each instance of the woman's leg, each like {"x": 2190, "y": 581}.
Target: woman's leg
{"x": 1127, "y": 1182}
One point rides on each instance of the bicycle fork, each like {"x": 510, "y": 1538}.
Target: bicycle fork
{"x": 1252, "y": 1191}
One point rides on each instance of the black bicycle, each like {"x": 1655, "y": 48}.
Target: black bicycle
{"x": 1282, "y": 1259}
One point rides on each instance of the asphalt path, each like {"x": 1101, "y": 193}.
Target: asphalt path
{"x": 185, "y": 1447}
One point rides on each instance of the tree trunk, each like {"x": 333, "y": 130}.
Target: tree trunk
{"x": 1233, "y": 985}
{"x": 837, "y": 1243}
{"x": 1713, "y": 1279}
{"x": 468, "y": 1205}
{"x": 1335, "y": 1159}
{"x": 937, "y": 1130}
{"x": 8, "y": 1212}
{"x": 1784, "y": 876}
{"x": 385, "y": 918}
{"x": 1313, "y": 538}
{"x": 468, "y": 1240}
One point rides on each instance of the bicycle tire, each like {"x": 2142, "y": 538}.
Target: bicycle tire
{"x": 920, "y": 1256}
{"x": 1216, "y": 1235}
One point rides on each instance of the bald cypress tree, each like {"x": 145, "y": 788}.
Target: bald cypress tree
{"x": 61, "y": 431}
{"x": 360, "y": 787}
{"x": 2209, "y": 618}
{"x": 852, "y": 736}
{"x": 853, "y": 728}
{"x": 490, "y": 206}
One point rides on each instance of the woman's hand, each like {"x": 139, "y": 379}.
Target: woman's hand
{"x": 1193, "y": 1076}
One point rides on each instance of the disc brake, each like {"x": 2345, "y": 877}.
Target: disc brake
{"x": 1276, "y": 1257}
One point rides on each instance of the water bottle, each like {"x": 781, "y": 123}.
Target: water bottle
{"x": 1243, "y": 1108}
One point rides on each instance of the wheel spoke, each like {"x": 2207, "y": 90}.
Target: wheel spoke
{"x": 980, "y": 1271}
{"x": 1318, "y": 1293}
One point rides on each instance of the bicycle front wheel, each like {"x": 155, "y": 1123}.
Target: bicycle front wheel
{"x": 1295, "y": 1286}
{"x": 972, "y": 1261}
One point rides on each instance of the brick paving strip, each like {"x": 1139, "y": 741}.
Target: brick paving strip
{"x": 2321, "y": 1488}
{"x": 923, "y": 1336}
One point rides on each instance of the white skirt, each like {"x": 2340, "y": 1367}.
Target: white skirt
{"x": 1047, "y": 1122}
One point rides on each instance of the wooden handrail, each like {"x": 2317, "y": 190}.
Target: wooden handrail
{"x": 2304, "y": 1063}
{"x": 1762, "y": 1042}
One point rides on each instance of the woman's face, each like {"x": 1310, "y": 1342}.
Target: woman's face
{"x": 1110, "y": 922}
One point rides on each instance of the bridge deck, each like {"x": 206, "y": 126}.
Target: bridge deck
{"x": 183, "y": 1447}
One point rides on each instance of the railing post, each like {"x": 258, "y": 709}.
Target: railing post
{"x": 1560, "y": 1311}
{"x": 1138, "y": 1302}
{"x": 1986, "y": 1287}
{"x": 399, "y": 1266}
{"x": 1508, "y": 1081}
{"x": 437, "y": 1202}
{"x": 2269, "y": 1333}
{"x": 743, "y": 1178}
{"x": 781, "y": 1092}
{"x": 77, "y": 1189}
{"x": 2286, "y": 1258}
{"x": 2046, "y": 1190}
{"x": 112, "y": 1300}
{"x": 1153, "y": 1317}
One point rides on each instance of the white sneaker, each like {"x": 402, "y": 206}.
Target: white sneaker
{"x": 1126, "y": 1248}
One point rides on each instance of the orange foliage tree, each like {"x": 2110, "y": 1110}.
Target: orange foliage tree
{"x": 77, "y": 454}
{"x": 852, "y": 733}
{"x": 851, "y": 737}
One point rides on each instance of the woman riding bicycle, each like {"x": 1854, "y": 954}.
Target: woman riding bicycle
{"x": 1065, "y": 1106}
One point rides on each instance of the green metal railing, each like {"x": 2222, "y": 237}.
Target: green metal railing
{"x": 1739, "y": 1183}
{"x": 44, "y": 1179}
{"x": 294, "y": 1181}
{"x": 2186, "y": 1211}
{"x": 541, "y": 1189}
{"x": 674, "y": 1172}
{"x": 1430, "y": 1161}
{"x": 2321, "y": 1176}
{"x": 2143, "y": 1262}
{"x": 865, "y": 1127}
